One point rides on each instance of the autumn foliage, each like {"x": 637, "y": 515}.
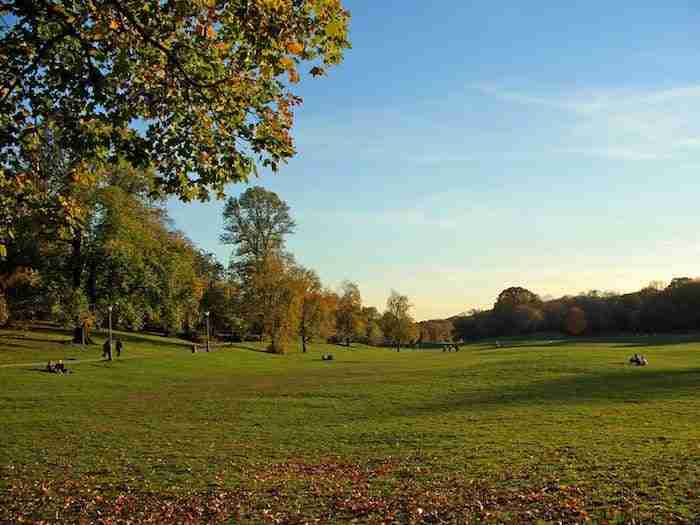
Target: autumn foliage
{"x": 209, "y": 84}
{"x": 575, "y": 321}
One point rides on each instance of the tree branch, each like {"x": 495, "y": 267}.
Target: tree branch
{"x": 172, "y": 58}
{"x": 35, "y": 63}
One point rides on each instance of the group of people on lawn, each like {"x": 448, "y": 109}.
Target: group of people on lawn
{"x": 639, "y": 360}
{"x": 107, "y": 349}
{"x": 59, "y": 368}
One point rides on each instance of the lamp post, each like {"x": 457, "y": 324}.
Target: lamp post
{"x": 109, "y": 309}
{"x": 207, "y": 315}
{"x": 109, "y": 352}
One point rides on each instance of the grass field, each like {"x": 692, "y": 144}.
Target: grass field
{"x": 542, "y": 431}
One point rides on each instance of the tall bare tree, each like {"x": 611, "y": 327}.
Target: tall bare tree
{"x": 311, "y": 304}
{"x": 256, "y": 223}
{"x": 398, "y": 323}
{"x": 349, "y": 313}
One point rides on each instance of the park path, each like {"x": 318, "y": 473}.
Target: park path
{"x": 98, "y": 359}
{"x": 73, "y": 362}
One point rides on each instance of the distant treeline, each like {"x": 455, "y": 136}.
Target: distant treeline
{"x": 517, "y": 311}
{"x": 119, "y": 259}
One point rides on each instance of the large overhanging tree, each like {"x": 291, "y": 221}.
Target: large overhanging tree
{"x": 200, "y": 89}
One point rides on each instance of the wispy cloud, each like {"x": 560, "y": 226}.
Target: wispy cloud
{"x": 528, "y": 99}
{"x": 440, "y": 159}
{"x": 618, "y": 153}
{"x": 621, "y": 124}
{"x": 418, "y": 216}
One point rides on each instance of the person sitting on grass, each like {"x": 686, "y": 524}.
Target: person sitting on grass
{"x": 50, "y": 367}
{"x": 639, "y": 360}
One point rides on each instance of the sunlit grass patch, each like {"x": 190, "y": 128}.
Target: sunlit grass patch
{"x": 516, "y": 422}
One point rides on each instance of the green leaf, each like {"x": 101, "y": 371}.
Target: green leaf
{"x": 335, "y": 29}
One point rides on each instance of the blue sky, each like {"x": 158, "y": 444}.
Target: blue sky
{"x": 464, "y": 147}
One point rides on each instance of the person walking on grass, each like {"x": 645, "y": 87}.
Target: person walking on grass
{"x": 107, "y": 350}
{"x": 119, "y": 347}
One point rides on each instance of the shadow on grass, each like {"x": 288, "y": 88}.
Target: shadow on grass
{"x": 5, "y": 345}
{"x": 99, "y": 336}
{"x": 652, "y": 341}
{"x": 523, "y": 345}
{"x": 235, "y": 346}
{"x": 611, "y": 341}
{"x": 44, "y": 371}
{"x": 14, "y": 337}
{"x": 138, "y": 339}
{"x": 633, "y": 384}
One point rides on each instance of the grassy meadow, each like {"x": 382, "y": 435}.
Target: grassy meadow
{"x": 537, "y": 431}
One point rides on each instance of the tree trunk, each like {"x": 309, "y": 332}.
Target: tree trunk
{"x": 81, "y": 335}
{"x": 303, "y": 344}
{"x": 273, "y": 343}
{"x": 78, "y": 335}
{"x": 77, "y": 259}
{"x": 92, "y": 285}
{"x": 4, "y": 310}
